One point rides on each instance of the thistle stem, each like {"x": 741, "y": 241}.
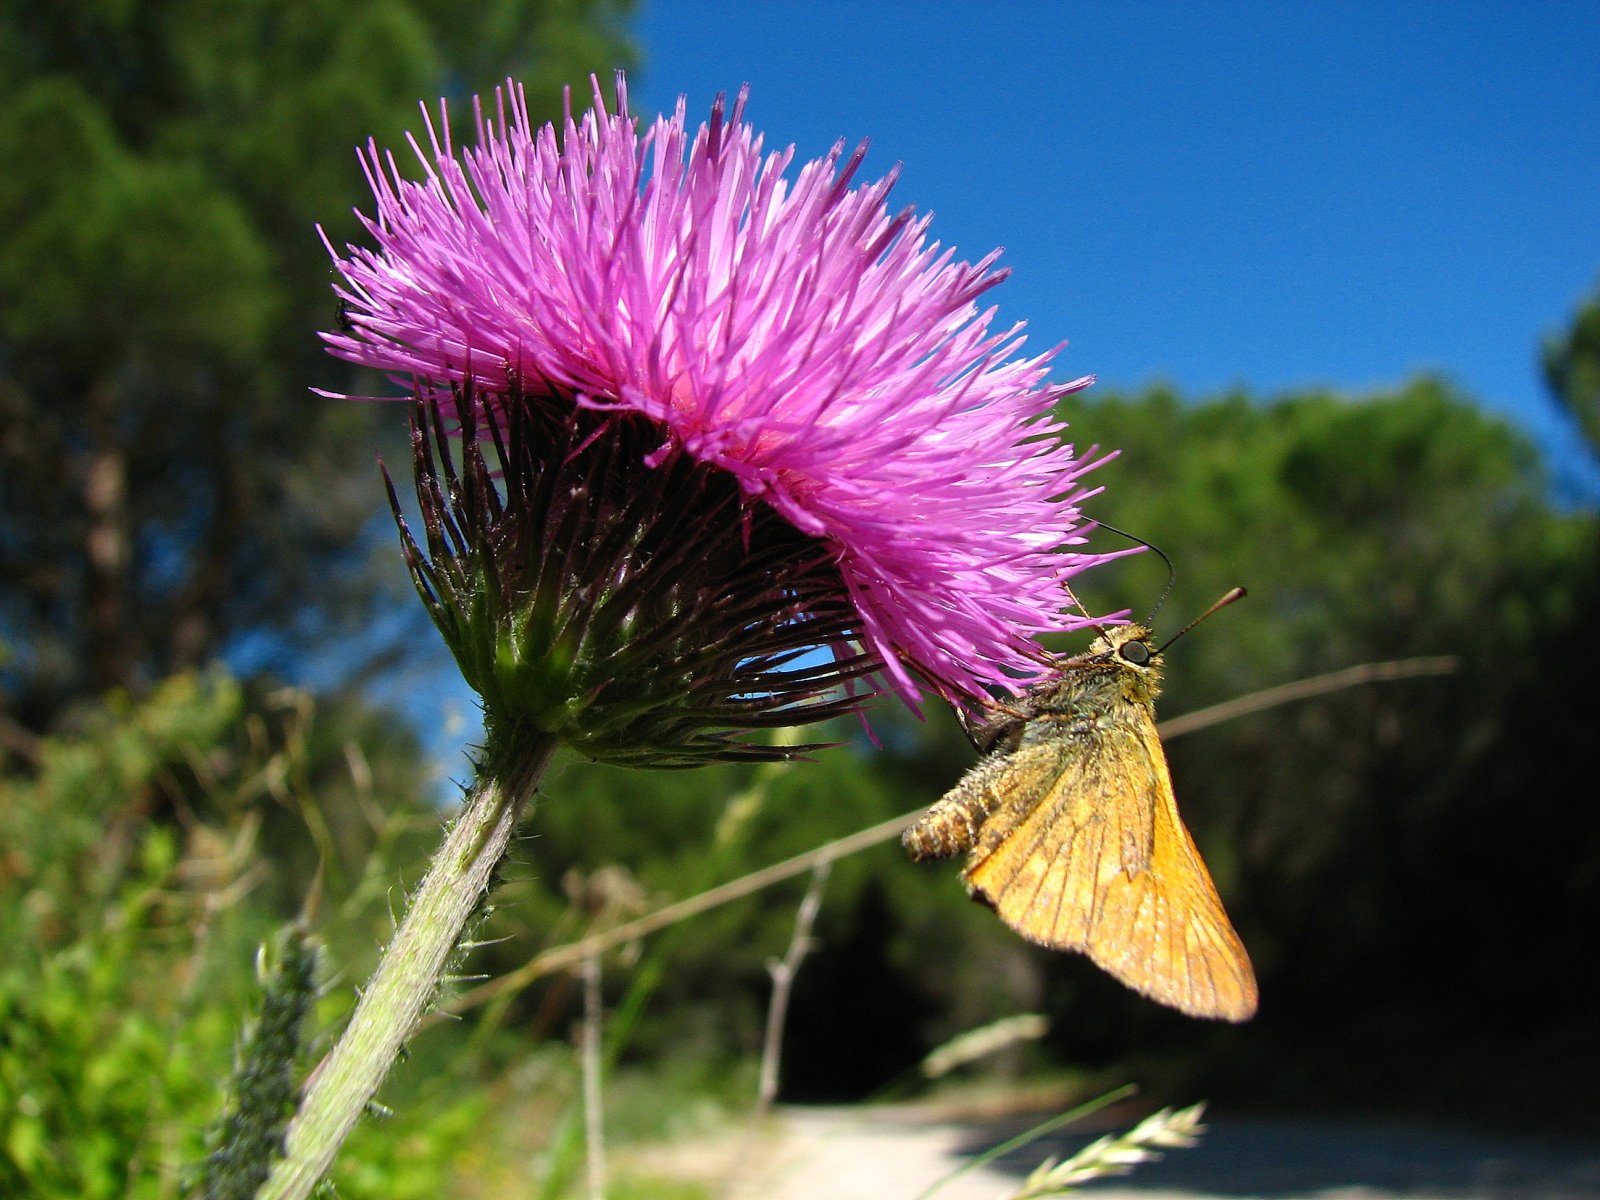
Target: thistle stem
{"x": 407, "y": 979}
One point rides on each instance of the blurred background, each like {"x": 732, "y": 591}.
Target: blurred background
{"x": 1335, "y": 268}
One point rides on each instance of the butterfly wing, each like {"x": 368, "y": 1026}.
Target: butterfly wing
{"x": 1095, "y": 859}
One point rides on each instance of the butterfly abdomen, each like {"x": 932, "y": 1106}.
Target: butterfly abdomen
{"x": 952, "y": 825}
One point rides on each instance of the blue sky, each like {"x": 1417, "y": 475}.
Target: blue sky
{"x": 1265, "y": 195}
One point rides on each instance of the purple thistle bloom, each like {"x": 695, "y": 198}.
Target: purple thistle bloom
{"x": 790, "y": 332}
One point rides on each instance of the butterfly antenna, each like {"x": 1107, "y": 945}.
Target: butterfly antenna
{"x": 1228, "y": 598}
{"x": 1172, "y": 571}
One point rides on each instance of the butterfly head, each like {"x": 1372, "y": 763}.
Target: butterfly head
{"x": 1128, "y": 645}
{"x": 1126, "y": 649}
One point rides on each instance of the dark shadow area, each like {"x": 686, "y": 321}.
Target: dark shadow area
{"x": 844, "y": 1040}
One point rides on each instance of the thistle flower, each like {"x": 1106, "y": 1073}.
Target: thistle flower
{"x": 748, "y": 352}
{"x": 682, "y": 420}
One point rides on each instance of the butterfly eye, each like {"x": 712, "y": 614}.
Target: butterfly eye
{"x": 1136, "y": 653}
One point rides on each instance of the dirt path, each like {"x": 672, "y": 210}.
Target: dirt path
{"x": 896, "y": 1153}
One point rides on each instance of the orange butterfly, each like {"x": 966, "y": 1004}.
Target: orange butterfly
{"x": 1073, "y": 835}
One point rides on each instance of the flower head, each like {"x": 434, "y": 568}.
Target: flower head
{"x": 785, "y": 332}
{"x": 641, "y": 615}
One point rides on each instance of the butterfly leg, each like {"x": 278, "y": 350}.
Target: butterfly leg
{"x": 994, "y": 725}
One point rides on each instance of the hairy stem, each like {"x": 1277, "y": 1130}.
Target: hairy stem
{"x": 407, "y": 979}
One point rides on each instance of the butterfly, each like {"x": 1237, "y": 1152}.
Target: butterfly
{"x": 1073, "y": 837}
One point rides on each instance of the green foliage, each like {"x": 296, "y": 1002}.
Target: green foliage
{"x": 146, "y": 855}
{"x": 166, "y": 483}
{"x": 76, "y": 828}
{"x": 422, "y": 1152}
{"x": 96, "y": 1092}
{"x": 1359, "y": 838}
{"x": 118, "y": 1005}
{"x": 1571, "y": 361}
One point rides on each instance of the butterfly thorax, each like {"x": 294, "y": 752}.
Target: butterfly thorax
{"x": 1119, "y": 670}
{"x": 1111, "y": 687}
